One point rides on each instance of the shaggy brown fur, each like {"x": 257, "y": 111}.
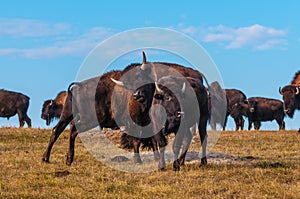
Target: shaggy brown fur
{"x": 296, "y": 79}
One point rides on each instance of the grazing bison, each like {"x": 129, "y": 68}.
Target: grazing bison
{"x": 233, "y": 97}
{"x": 12, "y": 103}
{"x": 52, "y": 108}
{"x": 259, "y": 109}
{"x": 185, "y": 103}
{"x": 291, "y": 96}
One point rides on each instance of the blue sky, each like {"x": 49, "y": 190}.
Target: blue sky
{"x": 255, "y": 44}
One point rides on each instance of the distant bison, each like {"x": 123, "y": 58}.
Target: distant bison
{"x": 291, "y": 96}
{"x": 235, "y": 96}
{"x": 12, "y": 103}
{"x": 228, "y": 98}
{"x": 259, "y": 109}
{"x": 52, "y": 108}
{"x": 217, "y": 105}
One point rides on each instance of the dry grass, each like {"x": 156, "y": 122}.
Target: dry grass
{"x": 270, "y": 169}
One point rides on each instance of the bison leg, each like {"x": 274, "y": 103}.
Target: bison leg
{"x": 21, "y": 118}
{"x": 257, "y": 125}
{"x": 185, "y": 146}
{"x": 155, "y": 149}
{"x": 176, "y": 149}
{"x": 242, "y": 122}
{"x": 136, "y": 148}
{"x": 281, "y": 124}
{"x": 249, "y": 125}
{"x": 225, "y": 122}
{"x": 56, "y": 131}
{"x": 72, "y": 137}
{"x": 203, "y": 138}
{"x": 160, "y": 139}
{"x": 27, "y": 120}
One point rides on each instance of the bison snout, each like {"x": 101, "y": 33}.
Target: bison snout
{"x": 251, "y": 110}
{"x": 137, "y": 95}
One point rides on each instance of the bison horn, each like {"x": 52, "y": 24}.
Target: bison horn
{"x": 183, "y": 88}
{"x": 144, "y": 61}
{"x": 280, "y": 91}
{"x": 157, "y": 88}
{"x": 51, "y": 102}
{"x": 119, "y": 83}
{"x": 297, "y": 91}
{"x": 144, "y": 58}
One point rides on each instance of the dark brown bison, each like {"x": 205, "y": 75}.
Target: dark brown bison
{"x": 219, "y": 113}
{"x": 185, "y": 103}
{"x": 235, "y": 96}
{"x": 88, "y": 105}
{"x": 291, "y": 96}
{"x": 52, "y": 108}
{"x": 154, "y": 70}
{"x": 12, "y": 103}
{"x": 259, "y": 109}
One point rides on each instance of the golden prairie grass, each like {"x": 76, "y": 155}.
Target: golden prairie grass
{"x": 269, "y": 168}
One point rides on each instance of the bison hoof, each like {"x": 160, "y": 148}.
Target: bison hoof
{"x": 176, "y": 165}
{"x": 161, "y": 166}
{"x": 156, "y": 156}
{"x": 203, "y": 161}
{"x": 69, "y": 160}
{"x": 45, "y": 159}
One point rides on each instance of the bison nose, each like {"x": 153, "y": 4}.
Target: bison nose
{"x": 136, "y": 95}
{"x": 251, "y": 110}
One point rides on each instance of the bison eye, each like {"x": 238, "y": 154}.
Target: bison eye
{"x": 158, "y": 96}
{"x": 168, "y": 98}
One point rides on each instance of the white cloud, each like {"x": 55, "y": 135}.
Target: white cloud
{"x": 256, "y": 36}
{"x": 63, "y": 46}
{"x": 31, "y": 28}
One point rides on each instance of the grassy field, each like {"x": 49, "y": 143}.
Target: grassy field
{"x": 269, "y": 168}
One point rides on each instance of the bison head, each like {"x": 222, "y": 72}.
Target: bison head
{"x": 290, "y": 95}
{"x": 170, "y": 105}
{"x": 48, "y": 111}
{"x": 247, "y": 106}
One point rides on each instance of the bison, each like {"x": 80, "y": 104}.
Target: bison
{"x": 217, "y": 97}
{"x": 157, "y": 70}
{"x": 12, "y": 103}
{"x": 233, "y": 97}
{"x": 52, "y": 108}
{"x": 259, "y": 109}
{"x": 185, "y": 103}
{"x": 291, "y": 97}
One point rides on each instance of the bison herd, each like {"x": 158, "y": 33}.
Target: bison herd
{"x": 151, "y": 100}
